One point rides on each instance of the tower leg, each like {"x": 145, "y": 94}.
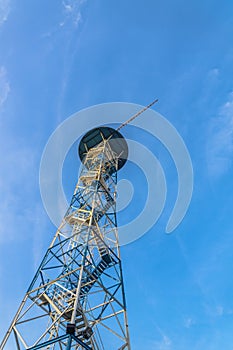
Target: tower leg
{"x": 76, "y": 299}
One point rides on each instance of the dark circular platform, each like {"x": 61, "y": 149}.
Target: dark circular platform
{"x": 95, "y": 136}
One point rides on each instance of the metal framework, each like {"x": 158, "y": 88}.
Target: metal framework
{"x": 76, "y": 299}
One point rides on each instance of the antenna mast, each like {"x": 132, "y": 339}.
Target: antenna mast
{"x": 136, "y": 115}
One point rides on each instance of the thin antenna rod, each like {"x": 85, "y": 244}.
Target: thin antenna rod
{"x": 136, "y": 115}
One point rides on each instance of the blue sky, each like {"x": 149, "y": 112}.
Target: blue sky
{"x": 57, "y": 57}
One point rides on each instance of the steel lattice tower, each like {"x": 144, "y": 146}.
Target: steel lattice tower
{"x": 76, "y": 299}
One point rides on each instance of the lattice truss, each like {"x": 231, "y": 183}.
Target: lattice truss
{"x": 76, "y": 299}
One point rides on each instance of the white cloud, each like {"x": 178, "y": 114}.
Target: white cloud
{"x": 220, "y": 140}
{"x": 71, "y": 16}
{"x": 4, "y": 85}
{"x": 164, "y": 343}
{"x": 72, "y": 12}
{"x": 4, "y": 11}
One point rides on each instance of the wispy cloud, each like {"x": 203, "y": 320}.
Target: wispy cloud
{"x": 217, "y": 310}
{"x": 16, "y": 164}
{"x": 4, "y": 85}
{"x": 164, "y": 343}
{"x": 220, "y": 140}
{"x": 71, "y": 18}
{"x": 4, "y": 11}
{"x": 72, "y": 12}
{"x": 22, "y": 217}
{"x": 189, "y": 322}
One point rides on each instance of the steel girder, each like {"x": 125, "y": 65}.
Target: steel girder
{"x": 76, "y": 299}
